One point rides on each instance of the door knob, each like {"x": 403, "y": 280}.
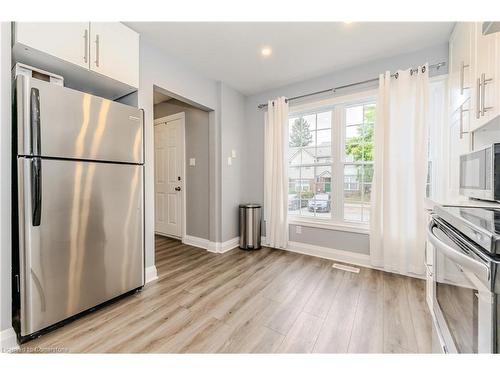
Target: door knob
{"x": 178, "y": 188}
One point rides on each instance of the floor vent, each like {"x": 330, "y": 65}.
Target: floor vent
{"x": 343, "y": 267}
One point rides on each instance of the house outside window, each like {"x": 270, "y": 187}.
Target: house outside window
{"x": 330, "y": 160}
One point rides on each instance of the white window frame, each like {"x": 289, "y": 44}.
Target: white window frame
{"x": 337, "y": 106}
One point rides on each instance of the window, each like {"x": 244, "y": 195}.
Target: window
{"x": 436, "y": 187}
{"x": 330, "y": 161}
{"x": 358, "y": 161}
{"x": 310, "y": 164}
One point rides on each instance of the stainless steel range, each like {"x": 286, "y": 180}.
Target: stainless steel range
{"x": 466, "y": 241}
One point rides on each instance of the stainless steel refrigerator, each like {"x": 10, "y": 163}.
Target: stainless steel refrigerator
{"x": 78, "y": 202}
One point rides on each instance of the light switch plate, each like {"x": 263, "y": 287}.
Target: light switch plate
{"x": 298, "y": 229}
{"x": 233, "y": 154}
{"x": 192, "y": 162}
{"x": 230, "y": 161}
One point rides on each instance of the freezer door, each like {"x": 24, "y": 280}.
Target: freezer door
{"x": 55, "y": 121}
{"x": 81, "y": 236}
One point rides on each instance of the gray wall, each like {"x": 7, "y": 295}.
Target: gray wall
{"x": 226, "y": 131}
{"x": 253, "y": 179}
{"x": 232, "y": 138}
{"x": 333, "y": 239}
{"x": 197, "y": 177}
{"x": 5, "y": 173}
{"x": 157, "y": 68}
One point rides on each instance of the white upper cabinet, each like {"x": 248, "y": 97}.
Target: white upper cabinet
{"x": 114, "y": 51}
{"x": 460, "y": 143}
{"x": 474, "y": 72}
{"x": 485, "y": 86}
{"x": 97, "y": 57}
{"x": 68, "y": 41}
{"x": 461, "y": 64}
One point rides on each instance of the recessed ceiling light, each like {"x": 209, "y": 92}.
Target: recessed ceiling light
{"x": 347, "y": 22}
{"x": 266, "y": 51}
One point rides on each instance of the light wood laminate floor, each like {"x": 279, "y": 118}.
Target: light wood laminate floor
{"x": 267, "y": 301}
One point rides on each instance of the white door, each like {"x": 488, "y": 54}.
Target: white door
{"x": 68, "y": 41}
{"x": 114, "y": 51}
{"x": 169, "y": 175}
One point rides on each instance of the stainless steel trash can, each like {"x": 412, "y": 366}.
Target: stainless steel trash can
{"x": 250, "y": 216}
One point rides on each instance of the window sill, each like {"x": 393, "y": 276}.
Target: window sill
{"x": 323, "y": 224}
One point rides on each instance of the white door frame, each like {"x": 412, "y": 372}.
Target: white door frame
{"x": 177, "y": 116}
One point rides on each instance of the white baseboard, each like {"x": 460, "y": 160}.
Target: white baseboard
{"x": 151, "y": 274}
{"x": 167, "y": 235}
{"x": 212, "y": 246}
{"x": 357, "y": 259}
{"x": 229, "y": 244}
{"x": 196, "y": 242}
{"x": 222, "y": 247}
{"x": 350, "y": 257}
{"x": 8, "y": 340}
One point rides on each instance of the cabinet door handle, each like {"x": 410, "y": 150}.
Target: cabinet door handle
{"x": 483, "y": 92}
{"x": 478, "y": 98}
{"x": 462, "y": 79}
{"x": 97, "y": 50}
{"x": 461, "y": 123}
{"x": 484, "y": 82}
{"x": 86, "y": 46}
{"x": 462, "y": 132}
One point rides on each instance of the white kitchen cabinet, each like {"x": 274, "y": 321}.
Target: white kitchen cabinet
{"x": 460, "y": 137}
{"x": 101, "y": 58}
{"x": 68, "y": 41}
{"x": 486, "y": 73}
{"x": 461, "y": 63}
{"x": 114, "y": 51}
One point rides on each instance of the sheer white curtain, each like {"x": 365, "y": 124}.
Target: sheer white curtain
{"x": 276, "y": 173}
{"x": 397, "y": 233}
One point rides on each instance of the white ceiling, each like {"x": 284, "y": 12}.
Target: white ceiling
{"x": 230, "y": 52}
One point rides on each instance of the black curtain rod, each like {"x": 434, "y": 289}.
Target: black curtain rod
{"x": 332, "y": 90}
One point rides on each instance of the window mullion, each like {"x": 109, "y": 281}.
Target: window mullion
{"x": 337, "y": 167}
{"x": 362, "y": 179}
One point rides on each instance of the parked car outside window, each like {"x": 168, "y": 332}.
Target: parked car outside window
{"x": 319, "y": 203}
{"x": 293, "y": 202}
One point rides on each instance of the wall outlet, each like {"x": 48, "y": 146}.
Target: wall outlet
{"x": 192, "y": 162}
{"x": 230, "y": 161}
{"x": 298, "y": 229}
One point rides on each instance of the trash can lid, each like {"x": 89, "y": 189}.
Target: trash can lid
{"x": 250, "y": 205}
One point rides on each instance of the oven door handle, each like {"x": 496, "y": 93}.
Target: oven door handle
{"x": 477, "y": 267}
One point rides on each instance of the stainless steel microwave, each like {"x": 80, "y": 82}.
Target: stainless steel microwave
{"x": 480, "y": 173}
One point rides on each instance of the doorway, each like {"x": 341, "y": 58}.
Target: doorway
{"x": 180, "y": 176}
{"x": 169, "y": 154}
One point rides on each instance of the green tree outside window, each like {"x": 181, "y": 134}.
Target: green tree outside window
{"x": 361, "y": 146}
{"x": 301, "y": 135}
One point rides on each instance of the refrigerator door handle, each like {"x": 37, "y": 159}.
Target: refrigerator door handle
{"x": 36, "y": 191}
{"x": 35, "y": 121}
